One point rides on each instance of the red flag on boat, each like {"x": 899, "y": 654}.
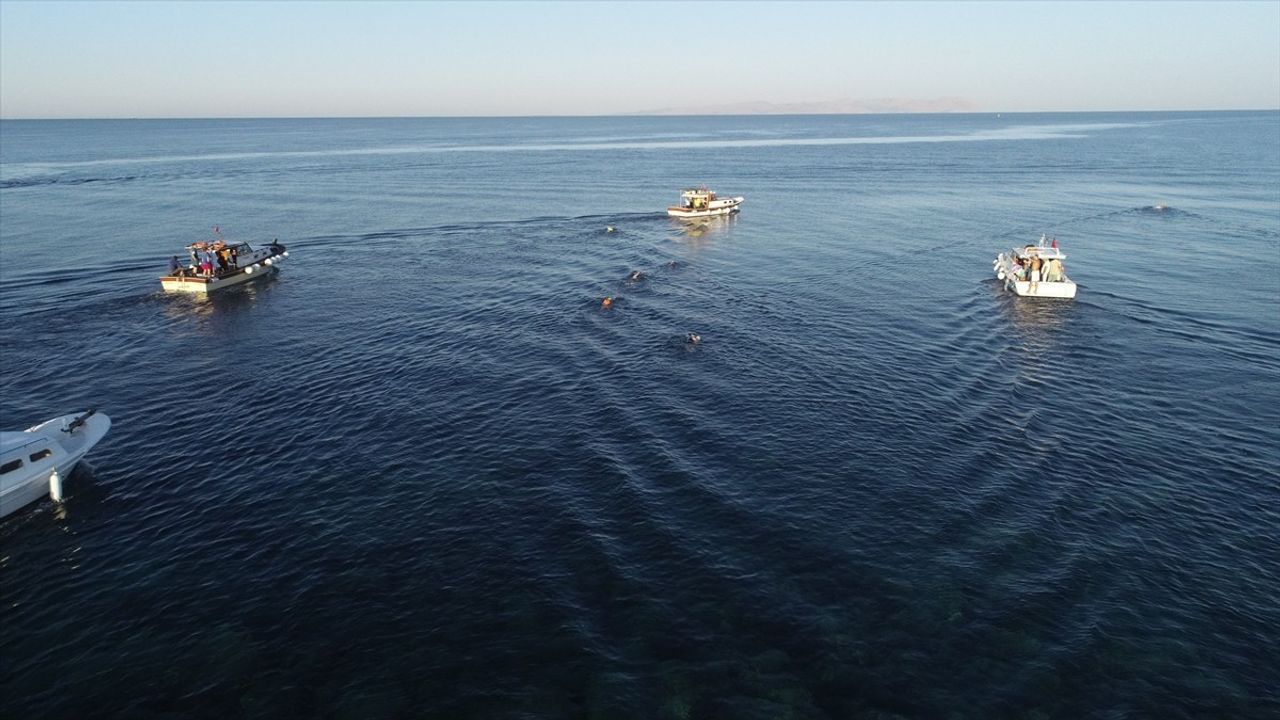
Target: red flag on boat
{"x": 1055, "y": 242}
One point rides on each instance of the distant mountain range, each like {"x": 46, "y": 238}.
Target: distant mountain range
{"x": 847, "y": 106}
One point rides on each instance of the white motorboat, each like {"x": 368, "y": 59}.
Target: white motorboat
{"x": 216, "y": 265}
{"x": 35, "y": 461}
{"x": 1035, "y": 271}
{"x": 701, "y": 202}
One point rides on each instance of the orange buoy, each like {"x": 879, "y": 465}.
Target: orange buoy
{"x": 607, "y": 302}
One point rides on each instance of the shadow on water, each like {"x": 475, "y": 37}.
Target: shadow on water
{"x": 83, "y": 495}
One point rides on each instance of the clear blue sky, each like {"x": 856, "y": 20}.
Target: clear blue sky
{"x": 298, "y": 59}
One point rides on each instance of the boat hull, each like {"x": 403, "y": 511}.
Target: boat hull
{"x": 33, "y": 489}
{"x": 718, "y": 207}
{"x": 69, "y": 450}
{"x": 204, "y": 285}
{"x": 1064, "y": 289}
{"x": 1025, "y": 288}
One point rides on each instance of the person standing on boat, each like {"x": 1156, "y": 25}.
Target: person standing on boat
{"x": 1053, "y": 270}
{"x": 175, "y": 267}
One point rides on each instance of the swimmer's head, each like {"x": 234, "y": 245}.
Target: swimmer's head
{"x": 607, "y": 302}
{"x": 693, "y": 338}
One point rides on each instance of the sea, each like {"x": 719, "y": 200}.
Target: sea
{"x": 424, "y": 472}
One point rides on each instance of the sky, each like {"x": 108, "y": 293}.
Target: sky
{"x": 104, "y": 59}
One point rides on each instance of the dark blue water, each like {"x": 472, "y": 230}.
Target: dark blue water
{"x": 422, "y": 473}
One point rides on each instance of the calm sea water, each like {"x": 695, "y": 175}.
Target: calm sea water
{"x": 422, "y": 473}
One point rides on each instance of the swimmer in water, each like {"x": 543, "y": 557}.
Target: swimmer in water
{"x": 693, "y": 338}
{"x": 610, "y": 228}
{"x": 635, "y": 275}
{"x": 606, "y": 303}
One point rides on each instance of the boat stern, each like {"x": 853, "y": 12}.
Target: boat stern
{"x": 184, "y": 284}
{"x": 1025, "y": 288}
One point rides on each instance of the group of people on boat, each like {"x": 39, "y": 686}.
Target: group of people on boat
{"x": 207, "y": 260}
{"x": 1035, "y": 268}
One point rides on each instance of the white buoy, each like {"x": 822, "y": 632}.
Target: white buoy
{"x": 285, "y": 253}
{"x": 55, "y": 486}
{"x": 249, "y": 270}
{"x": 267, "y": 261}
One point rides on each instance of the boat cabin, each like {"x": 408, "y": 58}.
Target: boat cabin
{"x": 19, "y": 449}
{"x": 697, "y": 198}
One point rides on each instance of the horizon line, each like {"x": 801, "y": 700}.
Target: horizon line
{"x": 621, "y": 115}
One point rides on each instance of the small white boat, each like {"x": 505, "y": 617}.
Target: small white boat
{"x": 35, "y": 461}
{"x": 701, "y": 202}
{"x": 1035, "y": 271}
{"x": 216, "y": 265}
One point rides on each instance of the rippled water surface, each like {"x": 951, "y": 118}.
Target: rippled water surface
{"x": 423, "y": 473}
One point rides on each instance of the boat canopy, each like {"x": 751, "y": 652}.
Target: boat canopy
{"x": 216, "y": 245}
{"x": 698, "y": 192}
{"x": 1040, "y": 251}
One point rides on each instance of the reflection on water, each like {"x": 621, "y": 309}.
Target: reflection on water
{"x": 222, "y": 304}
{"x": 1037, "y": 317}
{"x": 702, "y": 230}
{"x": 1037, "y": 324}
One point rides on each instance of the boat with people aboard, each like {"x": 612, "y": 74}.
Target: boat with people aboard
{"x": 35, "y": 461}
{"x": 701, "y": 202}
{"x": 219, "y": 264}
{"x": 1035, "y": 270}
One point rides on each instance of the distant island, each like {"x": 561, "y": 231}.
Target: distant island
{"x": 847, "y": 106}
